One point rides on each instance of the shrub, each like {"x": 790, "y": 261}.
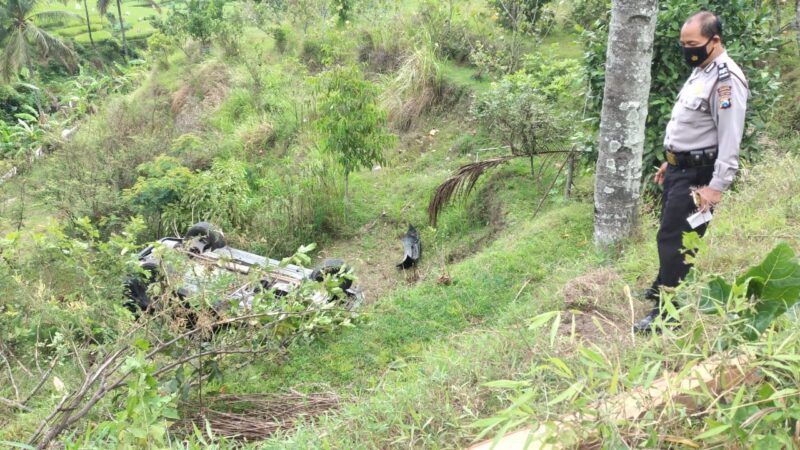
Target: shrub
{"x": 281, "y": 36}
{"x": 515, "y": 112}
{"x": 514, "y": 13}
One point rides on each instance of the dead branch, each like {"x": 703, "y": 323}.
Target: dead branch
{"x": 108, "y": 377}
{"x": 14, "y": 404}
{"x": 256, "y": 417}
{"x": 10, "y": 375}
{"x": 461, "y": 184}
{"x": 463, "y": 181}
{"x": 41, "y": 381}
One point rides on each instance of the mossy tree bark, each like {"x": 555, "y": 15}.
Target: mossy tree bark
{"x": 622, "y": 122}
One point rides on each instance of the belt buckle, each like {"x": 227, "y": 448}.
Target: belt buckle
{"x": 672, "y": 159}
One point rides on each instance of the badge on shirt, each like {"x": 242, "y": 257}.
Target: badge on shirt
{"x": 724, "y": 97}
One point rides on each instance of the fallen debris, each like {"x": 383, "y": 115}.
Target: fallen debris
{"x": 254, "y": 417}
{"x": 714, "y": 374}
{"x": 412, "y": 248}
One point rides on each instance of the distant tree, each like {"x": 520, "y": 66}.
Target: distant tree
{"x": 343, "y": 8}
{"x": 353, "y": 126}
{"x": 102, "y": 6}
{"x": 622, "y": 121}
{"x": 23, "y": 39}
{"x": 88, "y": 21}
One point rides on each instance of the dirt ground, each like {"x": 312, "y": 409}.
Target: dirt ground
{"x": 597, "y": 308}
{"x": 374, "y": 255}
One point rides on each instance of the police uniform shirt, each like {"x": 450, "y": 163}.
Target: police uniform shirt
{"x": 710, "y": 113}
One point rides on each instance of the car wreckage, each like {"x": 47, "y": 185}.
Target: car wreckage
{"x": 244, "y": 275}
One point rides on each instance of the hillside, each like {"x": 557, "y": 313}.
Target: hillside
{"x": 512, "y": 316}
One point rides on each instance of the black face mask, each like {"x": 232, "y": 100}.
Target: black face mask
{"x": 694, "y": 56}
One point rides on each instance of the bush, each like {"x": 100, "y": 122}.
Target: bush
{"x": 454, "y": 32}
{"x": 281, "y": 36}
{"x": 515, "y": 112}
{"x": 515, "y": 13}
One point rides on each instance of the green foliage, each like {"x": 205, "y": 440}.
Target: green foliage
{"x": 590, "y": 14}
{"x": 748, "y": 39}
{"x": 518, "y": 114}
{"x": 281, "y": 36}
{"x": 747, "y": 327}
{"x": 52, "y": 313}
{"x": 769, "y": 289}
{"x": 22, "y": 37}
{"x": 171, "y": 195}
{"x": 343, "y": 9}
{"x": 352, "y": 125}
{"x": 201, "y": 20}
{"x": 160, "y": 46}
{"x": 162, "y": 184}
{"x": 143, "y": 423}
{"x": 559, "y": 80}
{"x": 514, "y": 13}
{"x": 455, "y": 31}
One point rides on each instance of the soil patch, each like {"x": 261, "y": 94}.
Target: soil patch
{"x": 597, "y": 308}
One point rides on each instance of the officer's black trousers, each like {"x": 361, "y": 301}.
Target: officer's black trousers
{"x": 676, "y": 207}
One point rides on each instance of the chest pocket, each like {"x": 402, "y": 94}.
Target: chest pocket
{"x": 693, "y": 108}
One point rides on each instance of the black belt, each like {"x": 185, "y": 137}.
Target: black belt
{"x": 692, "y": 158}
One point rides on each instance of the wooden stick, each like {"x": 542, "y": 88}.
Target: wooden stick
{"x": 715, "y": 373}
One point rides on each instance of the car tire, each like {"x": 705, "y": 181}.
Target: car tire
{"x": 208, "y": 234}
{"x": 330, "y": 267}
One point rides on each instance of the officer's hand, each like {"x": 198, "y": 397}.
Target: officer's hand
{"x": 659, "y": 178}
{"x": 708, "y": 198}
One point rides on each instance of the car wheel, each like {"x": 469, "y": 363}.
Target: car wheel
{"x": 331, "y": 267}
{"x": 209, "y": 235}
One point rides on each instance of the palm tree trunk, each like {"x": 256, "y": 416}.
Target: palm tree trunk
{"x": 346, "y": 189}
{"x": 797, "y": 23}
{"x": 88, "y": 23}
{"x": 122, "y": 30}
{"x": 622, "y": 120}
{"x": 36, "y": 94}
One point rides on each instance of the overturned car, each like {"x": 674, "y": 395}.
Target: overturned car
{"x": 202, "y": 258}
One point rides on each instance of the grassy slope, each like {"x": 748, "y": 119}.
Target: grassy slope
{"x": 416, "y": 384}
{"x": 430, "y": 400}
{"x": 412, "y": 372}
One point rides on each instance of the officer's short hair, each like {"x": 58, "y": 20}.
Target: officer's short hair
{"x": 710, "y": 23}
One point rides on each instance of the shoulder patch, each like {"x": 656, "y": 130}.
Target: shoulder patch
{"x": 724, "y": 93}
{"x": 723, "y": 72}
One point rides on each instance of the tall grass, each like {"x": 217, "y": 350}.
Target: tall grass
{"x": 415, "y": 89}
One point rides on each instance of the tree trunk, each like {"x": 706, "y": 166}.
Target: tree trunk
{"x": 122, "y": 30}
{"x": 797, "y": 23}
{"x": 570, "y": 176}
{"x": 346, "y": 189}
{"x": 37, "y": 94}
{"x": 88, "y": 22}
{"x": 622, "y": 121}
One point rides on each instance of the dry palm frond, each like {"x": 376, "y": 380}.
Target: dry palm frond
{"x": 461, "y": 184}
{"x": 256, "y": 417}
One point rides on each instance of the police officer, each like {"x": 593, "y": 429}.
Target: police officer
{"x": 702, "y": 147}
